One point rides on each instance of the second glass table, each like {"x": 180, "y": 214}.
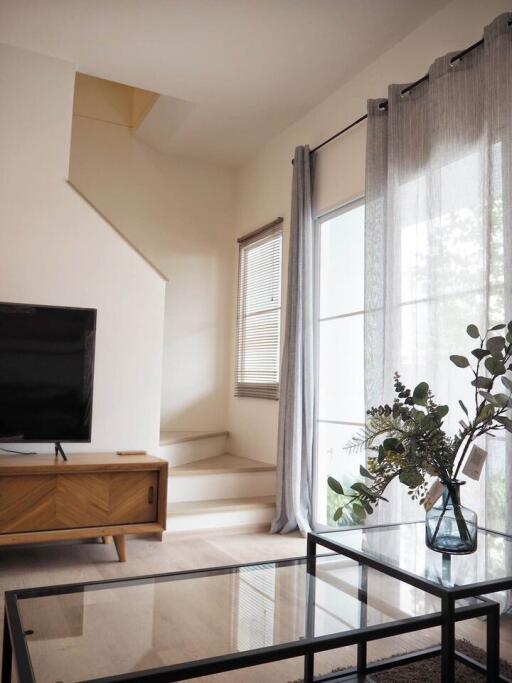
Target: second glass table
{"x": 399, "y": 551}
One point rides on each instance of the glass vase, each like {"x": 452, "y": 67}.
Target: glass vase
{"x": 450, "y": 527}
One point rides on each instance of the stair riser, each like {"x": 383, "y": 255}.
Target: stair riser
{"x": 190, "y": 451}
{"x": 218, "y": 520}
{"x": 218, "y": 486}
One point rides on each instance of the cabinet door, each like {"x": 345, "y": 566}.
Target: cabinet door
{"x": 102, "y": 499}
{"x": 77, "y": 500}
{"x": 27, "y": 503}
{"x": 133, "y": 497}
{"x": 82, "y": 500}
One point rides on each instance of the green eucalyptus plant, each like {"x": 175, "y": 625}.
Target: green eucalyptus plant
{"x": 408, "y": 439}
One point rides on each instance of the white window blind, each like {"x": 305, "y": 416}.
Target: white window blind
{"x": 259, "y": 313}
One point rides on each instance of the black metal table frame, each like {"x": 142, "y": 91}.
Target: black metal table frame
{"x": 15, "y": 645}
{"x": 448, "y": 596}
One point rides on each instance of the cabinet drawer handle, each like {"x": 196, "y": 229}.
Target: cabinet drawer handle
{"x": 150, "y": 495}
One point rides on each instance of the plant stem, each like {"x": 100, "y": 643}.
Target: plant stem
{"x": 459, "y": 517}
{"x": 465, "y": 450}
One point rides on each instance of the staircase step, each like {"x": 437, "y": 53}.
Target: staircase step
{"x": 171, "y": 437}
{"x": 221, "y": 464}
{"x": 256, "y": 511}
{"x": 223, "y": 505}
{"x": 179, "y": 448}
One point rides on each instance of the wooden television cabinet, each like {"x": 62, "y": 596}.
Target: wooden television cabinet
{"x": 91, "y": 495}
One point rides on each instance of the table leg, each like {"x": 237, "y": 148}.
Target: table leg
{"x": 120, "y": 544}
{"x": 309, "y": 658}
{"x": 362, "y": 595}
{"x": 448, "y": 640}
{"x": 493, "y": 644}
{"x": 309, "y": 668}
{"x": 311, "y": 554}
{"x": 6, "y": 653}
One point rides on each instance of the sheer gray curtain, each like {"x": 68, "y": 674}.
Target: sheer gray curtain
{"x": 439, "y": 241}
{"x": 296, "y": 405}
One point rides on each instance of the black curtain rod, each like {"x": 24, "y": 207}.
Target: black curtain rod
{"x": 405, "y": 91}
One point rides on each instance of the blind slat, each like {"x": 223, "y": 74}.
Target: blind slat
{"x": 259, "y": 317}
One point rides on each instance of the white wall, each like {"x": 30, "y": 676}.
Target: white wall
{"x": 179, "y": 214}
{"x": 57, "y": 250}
{"x": 263, "y": 184}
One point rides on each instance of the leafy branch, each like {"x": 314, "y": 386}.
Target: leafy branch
{"x": 408, "y": 439}
{"x": 490, "y": 409}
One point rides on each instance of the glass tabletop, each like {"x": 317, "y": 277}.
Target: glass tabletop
{"x": 402, "y": 546}
{"x": 134, "y": 625}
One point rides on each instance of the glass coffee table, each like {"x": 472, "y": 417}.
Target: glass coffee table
{"x": 399, "y": 551}
{"x": 182, "y": 625}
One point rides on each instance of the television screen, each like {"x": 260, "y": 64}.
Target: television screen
{"x": 46, "y": 373}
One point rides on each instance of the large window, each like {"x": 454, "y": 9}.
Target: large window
{"x": 340, "y": 353}
{"x": 259, "y": 314}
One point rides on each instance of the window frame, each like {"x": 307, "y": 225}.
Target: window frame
{"x": 260, "y": 390}
{"x": 320, "y": 218}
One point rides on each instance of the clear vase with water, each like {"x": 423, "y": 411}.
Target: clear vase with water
{"x": 450, "y": 527}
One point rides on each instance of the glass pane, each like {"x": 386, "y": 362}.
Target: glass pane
{"x": 261, "y": 271}
{"x": 342, "y": 263}
{"x": 403, "y": 546}
{"x": 341, "y": 369}
{"x": 334, "y": 460}
{"x": 258, "y": 354}
{"x": 135, "y": 625}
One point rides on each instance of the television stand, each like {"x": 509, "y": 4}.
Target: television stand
{"x": 60, "y": 451}
{"x": 94, "y": 495}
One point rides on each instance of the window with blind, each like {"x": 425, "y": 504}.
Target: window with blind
{"x": 259, "y": 313}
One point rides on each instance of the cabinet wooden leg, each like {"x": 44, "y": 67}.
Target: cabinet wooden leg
{"x": 120, "y": 543}
{"x": 107, "y": 539}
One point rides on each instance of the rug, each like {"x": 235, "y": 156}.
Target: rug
{"x": 429, "y": 670}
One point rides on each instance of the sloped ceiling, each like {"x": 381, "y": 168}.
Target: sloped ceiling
{"x": 232, "y": 73}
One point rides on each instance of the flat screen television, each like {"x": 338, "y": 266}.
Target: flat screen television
{"x": 46, "y": 373}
